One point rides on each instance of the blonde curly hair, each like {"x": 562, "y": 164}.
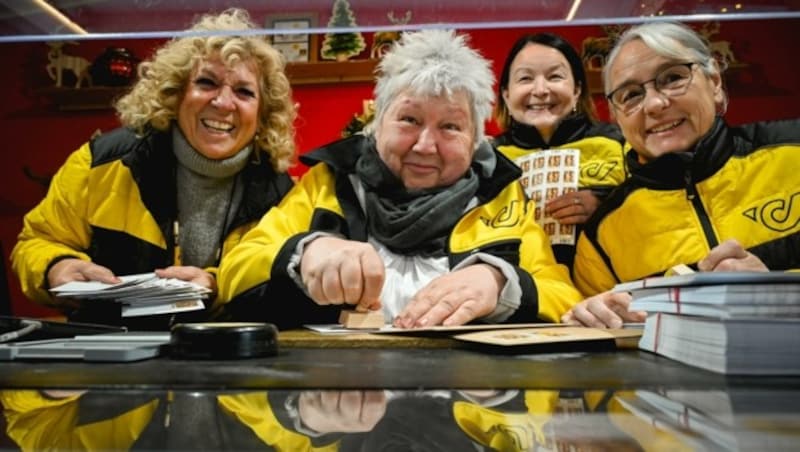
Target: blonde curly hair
{"x": 155, "y": 98}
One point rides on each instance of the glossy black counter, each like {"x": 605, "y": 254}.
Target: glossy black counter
{"x": 392, "y": 368}
{"x": 419, "y": 396}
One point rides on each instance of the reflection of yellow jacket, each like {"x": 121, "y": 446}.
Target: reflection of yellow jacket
{"x": 515, "y": 425}
{"x": 255, "y": 411}
{"x": 508, "y": 431}
{"x": 36, "y": 422}
{"x": 324, "y": 200}
{"x": 737, "y": 183}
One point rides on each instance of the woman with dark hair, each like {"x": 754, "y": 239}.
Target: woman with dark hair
{"x": 544, "y": 103}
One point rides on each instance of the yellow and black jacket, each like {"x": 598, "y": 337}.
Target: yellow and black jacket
{"x": 737, "y": 183}
{"x": 113, "y": 202}
{"x": 602, "y": 158}
{"x": 256, "y": 272}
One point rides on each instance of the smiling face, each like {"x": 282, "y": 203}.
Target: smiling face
{"x": 427, "y": 141}
{"x": 541, "y": 89}
{"x": 663, "y": 124}
{"x": 218, "y": 113}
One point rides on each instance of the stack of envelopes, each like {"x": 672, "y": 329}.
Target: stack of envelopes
{"x": 142, "y": 294}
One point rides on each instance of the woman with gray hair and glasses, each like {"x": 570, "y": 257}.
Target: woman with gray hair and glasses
{"x": 701, "y": 192}
{"x": 419, "y": 217}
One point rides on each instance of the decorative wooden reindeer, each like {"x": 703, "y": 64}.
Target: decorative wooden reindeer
{"x": 595, "y": 50}
{"x": 721, "y": 50}
{"x": 383, "y": 40}
{"x": 59, "y": 62}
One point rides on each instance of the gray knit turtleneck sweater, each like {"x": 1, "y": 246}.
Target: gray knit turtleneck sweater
{"x": 207, "y": 197}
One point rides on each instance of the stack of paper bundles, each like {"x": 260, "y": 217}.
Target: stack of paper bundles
{"x": 733, "y": 323}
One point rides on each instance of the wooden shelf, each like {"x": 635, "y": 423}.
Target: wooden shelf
{"x": 86, "y": 98}
{"x": 323, "y": 72}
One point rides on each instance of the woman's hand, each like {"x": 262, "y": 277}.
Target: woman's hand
{"x": 190, "y": 274}
{"x": 572, "y": 208}
{"x": 605, "y": 310}
{"x": 454, "y": 298}
{"x": 339, "y": 271}
{"x": 341, "y": 411}
{"x": 730, "y": 256}
{"x": 68, "y": 270}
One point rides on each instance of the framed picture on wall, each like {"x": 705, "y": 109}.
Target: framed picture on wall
{"x": 289, "y": 39}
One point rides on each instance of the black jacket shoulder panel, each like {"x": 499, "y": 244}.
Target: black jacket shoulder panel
{"x": 505, "y": 172}
{"x": 571, "y": 129}
{"x": 752, "y": 137}
{"x": 113, "y": 145}
{"x": 340, "y": 155}
{"x": 151, "y": 149}
{"x": 604, "y": 129}
{"x": 711, "y": 153}
{"x": 503, "y": 139}
{"x": 152, "y": 165}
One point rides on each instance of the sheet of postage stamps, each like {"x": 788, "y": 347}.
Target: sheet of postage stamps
{"x": 548, "y": 174}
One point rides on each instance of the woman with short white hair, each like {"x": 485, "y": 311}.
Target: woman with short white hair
{"x": 418, "y": 217}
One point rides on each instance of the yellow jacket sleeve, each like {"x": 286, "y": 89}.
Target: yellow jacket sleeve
{"x": 555, "y": 292}
{"x": 57, "y": 227}
{"x": 250, "y": 263}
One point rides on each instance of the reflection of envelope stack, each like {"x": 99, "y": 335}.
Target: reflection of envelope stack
{"x": 734, "y": 419}
{"x": 546, "y": 175}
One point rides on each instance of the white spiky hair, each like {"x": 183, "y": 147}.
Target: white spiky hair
{"x": 434, "y": 63}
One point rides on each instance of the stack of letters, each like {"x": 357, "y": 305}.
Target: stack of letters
{"x": 143, "y": 294}
{"x": 733, "y": 323}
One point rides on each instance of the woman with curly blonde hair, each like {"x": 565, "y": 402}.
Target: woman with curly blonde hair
{"x": 206, "y": 139}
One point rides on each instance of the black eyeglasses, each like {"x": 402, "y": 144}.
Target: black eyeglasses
{"x": 672, "y": 81}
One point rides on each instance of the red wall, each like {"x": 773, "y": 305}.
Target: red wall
{"x": 37, "y": 136}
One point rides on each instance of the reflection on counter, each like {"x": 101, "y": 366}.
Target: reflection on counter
{"x": 507, "y": 420}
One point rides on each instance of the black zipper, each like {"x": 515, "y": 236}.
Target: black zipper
{"x": 700, "y": 210}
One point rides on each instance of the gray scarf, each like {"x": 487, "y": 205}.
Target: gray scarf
{"x": 207, "y": 194}
{"x": 411, "y": 222}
